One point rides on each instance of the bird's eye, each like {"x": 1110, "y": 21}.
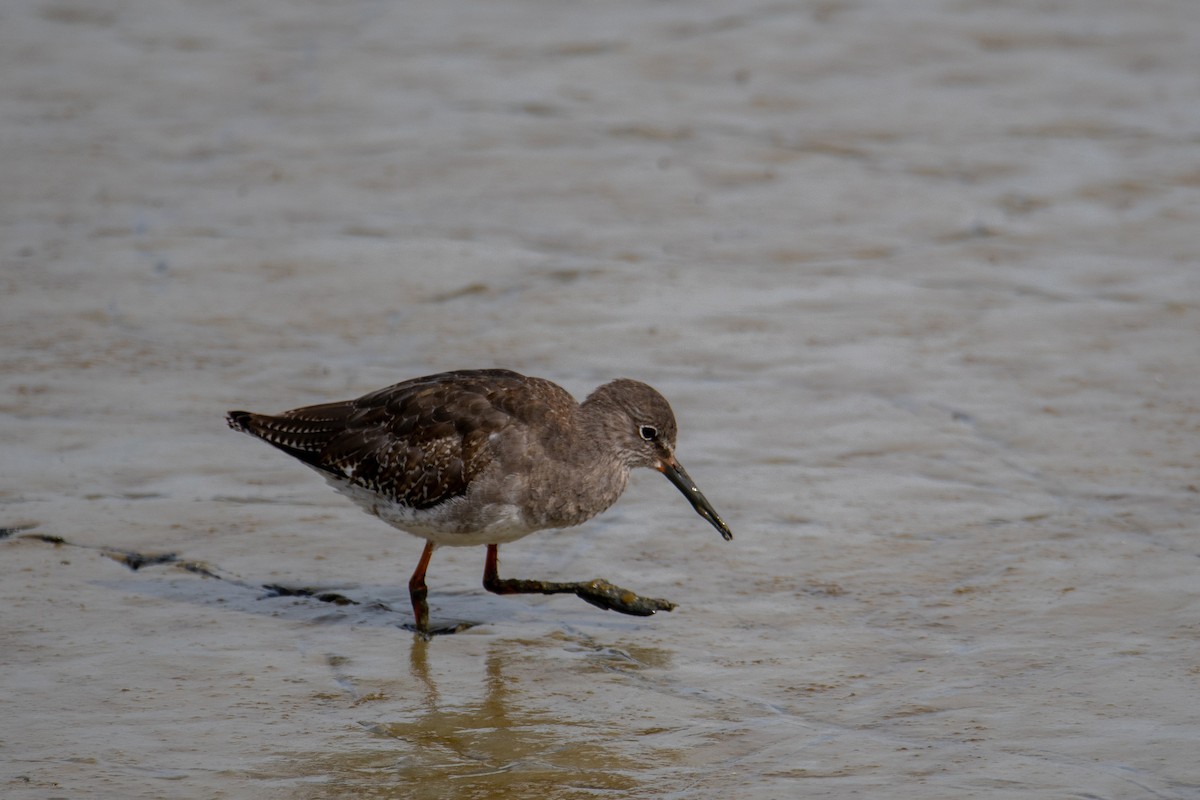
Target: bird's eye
{"x": 648, "y": 432}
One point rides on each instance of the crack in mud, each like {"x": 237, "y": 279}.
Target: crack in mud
{"x": 136, "y": 560}
{"x": 277, "y": 590}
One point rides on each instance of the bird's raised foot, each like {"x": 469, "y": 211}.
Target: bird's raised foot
{"x": 603, "y": 594}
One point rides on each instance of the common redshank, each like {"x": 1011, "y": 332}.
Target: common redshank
{"x": 486, "y": 457}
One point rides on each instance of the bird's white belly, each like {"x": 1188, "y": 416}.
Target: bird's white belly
{"x": 455, "y": 523}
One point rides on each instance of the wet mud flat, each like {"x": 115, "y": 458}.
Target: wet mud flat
{"x": 922, "y": 285}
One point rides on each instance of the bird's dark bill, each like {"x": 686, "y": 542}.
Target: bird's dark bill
{"x": 677, "y": 475}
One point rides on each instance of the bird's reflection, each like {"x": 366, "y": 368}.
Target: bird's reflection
{"x": 418, "y": 660}
{"x": 531, "y": 732}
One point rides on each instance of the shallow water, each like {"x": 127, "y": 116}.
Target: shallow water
{"x": 922, "y": 284}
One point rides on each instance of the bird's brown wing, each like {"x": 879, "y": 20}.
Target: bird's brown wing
{"x": 422, "y": 441}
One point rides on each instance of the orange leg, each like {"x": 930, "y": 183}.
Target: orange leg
{"x": 598, "y": 592}
{"x": 418, "y": 591}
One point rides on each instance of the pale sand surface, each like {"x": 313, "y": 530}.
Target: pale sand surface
{"x": 922, "y": 281}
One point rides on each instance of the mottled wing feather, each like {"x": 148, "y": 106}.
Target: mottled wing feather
{"x": 421, "y": 442}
